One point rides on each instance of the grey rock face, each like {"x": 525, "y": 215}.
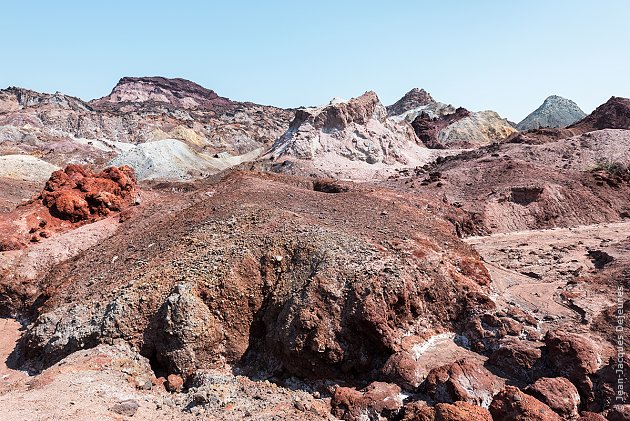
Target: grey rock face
{"x": 413, "y": 99}
{"x": 554, "y": 112}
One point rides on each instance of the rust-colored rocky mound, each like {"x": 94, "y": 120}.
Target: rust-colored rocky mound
{"x": 613, "y": 114}
{"x": 463, "y": 380}
{"x": 558, "y": 393}
{"x": 265, "y": 273}
{"x": 513, "y": 405}
{"x": 71, "y": 197}
{"x": 78, "y": 194}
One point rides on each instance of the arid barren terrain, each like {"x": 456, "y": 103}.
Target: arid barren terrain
{"x": 168, "y": 253}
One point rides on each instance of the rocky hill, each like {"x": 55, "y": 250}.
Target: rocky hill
{"x": 138, "y": 110}
{"x": 413, "y": 99}
{"x": 442, "y": 126}
{"x": 555, "y": 112}
{"x": 461, "y": 129}
{"x": 355, "y": 265}
{"x": 613, "y": 114}
{"x": 147, "y": 91}
{"x": 350, "y": 139}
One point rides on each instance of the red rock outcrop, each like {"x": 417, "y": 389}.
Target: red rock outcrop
{"x": 575, "y": 357}
{"x": 375, "y": 401}
{"x": 558, "y": 393}
{"x": 511, "y": 404}
{"x": 402, "y": 368}
{"x": 464, "y": 380}
{"x": 460, "y": 411}
{"x": 71, "y": 197}
{"x": 418, "y": 411}
{"x": 78, "y": 194}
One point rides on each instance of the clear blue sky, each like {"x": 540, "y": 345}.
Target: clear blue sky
{"x": 504, "y": 55}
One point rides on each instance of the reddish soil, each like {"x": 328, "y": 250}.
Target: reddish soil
{"x": 482, "y": 286}
{"x": 72, "y": 197}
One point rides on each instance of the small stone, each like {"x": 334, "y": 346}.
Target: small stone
{"x": 299, "y": 405}
{"x": 200, "y": 398}
{"x": 142, "y": 383}
{"x": 174, "y": 383}
{"x": 127, "y": 408}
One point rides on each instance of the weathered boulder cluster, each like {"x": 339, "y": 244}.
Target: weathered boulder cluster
{"x": 564, "y": 375}
{"x": 78, "y": 194}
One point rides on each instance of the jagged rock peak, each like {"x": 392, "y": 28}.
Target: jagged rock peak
{"x": 15, "y": 98}
{"x": 413, "y": 99}
{"x": 178, "y": 92}
{"x": 555, "y": 112}
{"x": 350, "y": 132}
{"x": 339, "y": 114}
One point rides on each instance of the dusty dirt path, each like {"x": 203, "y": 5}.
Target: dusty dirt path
{"x": 9, "y": 335}
{"x": 532, "y": 268}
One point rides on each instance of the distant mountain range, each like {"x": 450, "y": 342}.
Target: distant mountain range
{"x": 177, "y": 129}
